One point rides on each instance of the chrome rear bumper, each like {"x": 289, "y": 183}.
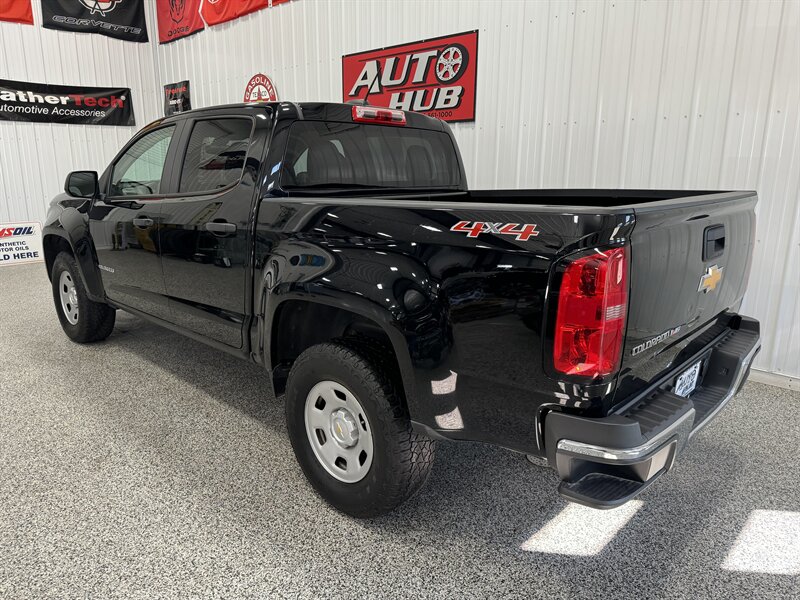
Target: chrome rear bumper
{"x": 606, "y": 462}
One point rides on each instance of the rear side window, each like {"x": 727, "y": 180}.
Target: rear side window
{"x": 328, "y": 154}
{"x": 215, "y": 155}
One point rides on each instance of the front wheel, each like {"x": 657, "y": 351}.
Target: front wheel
{"x": 351, "y": 432}
{"x": 81, "y": 319}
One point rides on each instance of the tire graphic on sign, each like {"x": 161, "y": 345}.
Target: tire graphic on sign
{"x": 451, "y": 63}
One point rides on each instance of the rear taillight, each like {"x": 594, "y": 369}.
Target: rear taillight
{"x": 590, "y": 323}
{"x": 381, "y": 116}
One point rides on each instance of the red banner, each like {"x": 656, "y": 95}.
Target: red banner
{"x": 177, "y": 19}
{"x": 435, "y": 77}
{"x": 16, "y": 11}
{"x": 221, "y": 11}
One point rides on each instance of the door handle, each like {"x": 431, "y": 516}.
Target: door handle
{"x": 143, "y": 222}
{"x": 221, "y": 228}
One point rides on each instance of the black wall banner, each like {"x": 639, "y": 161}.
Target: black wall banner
{"x": 176, "y": 98}
{"x": 42, "y": 103}
{"x": 122, "y": 19}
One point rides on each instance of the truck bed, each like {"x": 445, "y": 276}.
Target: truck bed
{"x": 605, "y": 198}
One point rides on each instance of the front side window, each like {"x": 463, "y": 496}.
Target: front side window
{"x": 216, "y": 154}
{"x": 138, "y": 171}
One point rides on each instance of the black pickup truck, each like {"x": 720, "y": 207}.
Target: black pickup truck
{"x": 339, "y": 247}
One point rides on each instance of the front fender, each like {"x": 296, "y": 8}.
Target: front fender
{"x": 68, "y": 220}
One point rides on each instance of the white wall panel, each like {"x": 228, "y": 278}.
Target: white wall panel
{"x": 571, "y": 93}
{"x": 35, "y": 157}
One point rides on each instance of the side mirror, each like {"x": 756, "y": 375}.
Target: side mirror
{"x": 82, "y": 184}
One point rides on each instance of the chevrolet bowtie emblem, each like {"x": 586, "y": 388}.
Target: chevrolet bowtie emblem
{"x": 710, "y": 279}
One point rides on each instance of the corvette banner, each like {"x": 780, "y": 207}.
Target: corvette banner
{"x": 435, "y": 77}
{"x": 221, "y": 11}
{"x": 16, "y": 11}
{"x": 177, "y": 19}
{"x": 43, "y": 103}
{"x": 121, "y": 19}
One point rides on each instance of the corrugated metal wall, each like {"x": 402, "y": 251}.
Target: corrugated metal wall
{"x": 35, "y": 157}
{"x": 622, "y": 93}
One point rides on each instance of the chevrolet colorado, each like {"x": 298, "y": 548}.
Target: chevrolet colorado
{"x": 339, "y": 247}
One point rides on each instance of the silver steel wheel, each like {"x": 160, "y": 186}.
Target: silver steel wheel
{"x": 69, "y": 297}
{"x": 338, "y": 431}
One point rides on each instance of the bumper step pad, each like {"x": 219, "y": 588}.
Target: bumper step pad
{"x": 601, "y": 490}
{"x": 603, "y": 462}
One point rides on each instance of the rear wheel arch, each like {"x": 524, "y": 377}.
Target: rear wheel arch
{"x": 300, "y": 323}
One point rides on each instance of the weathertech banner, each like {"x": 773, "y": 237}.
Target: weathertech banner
{"x": 16, "y": 11}
{"x": 122, "y": 19}
{"x": 177, "y": 19}
{"x": 221, "y": 11}
{"x": 435, "y": 77}
{"x": 42, "y": 103}
{"x": 176, "y": 98}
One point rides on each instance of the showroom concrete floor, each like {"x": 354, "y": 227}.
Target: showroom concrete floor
{"x": 146, "y": 466}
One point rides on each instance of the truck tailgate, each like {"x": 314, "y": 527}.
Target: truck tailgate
{"x": 690, "y": 261}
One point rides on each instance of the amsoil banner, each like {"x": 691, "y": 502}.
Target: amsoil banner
{"x": 176, "y": 98}
{"x": 20, "y": 243}
{"x": 42, "y": 103}
{"x": 177, "y": 19}
{"x": 16, "y": 11}
{"x": 221, "y": 11}
{"x": 122, "y": 19}
{"x": 435, "y": 77}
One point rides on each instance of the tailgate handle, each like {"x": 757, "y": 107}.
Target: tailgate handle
{"x": 713, "y": 242}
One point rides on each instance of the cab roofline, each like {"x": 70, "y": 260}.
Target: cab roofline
{"x": 317, "y": 111}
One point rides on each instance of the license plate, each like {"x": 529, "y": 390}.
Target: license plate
{"x": 687, "y": 380}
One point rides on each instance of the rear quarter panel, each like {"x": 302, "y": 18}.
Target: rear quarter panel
{"x": 471, "y": 347}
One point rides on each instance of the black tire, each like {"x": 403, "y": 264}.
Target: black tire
{"x": 401, "y": 459}
{"x": 95, "y": 320}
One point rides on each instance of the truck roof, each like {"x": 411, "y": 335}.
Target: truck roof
{"x": 317, "y": 111}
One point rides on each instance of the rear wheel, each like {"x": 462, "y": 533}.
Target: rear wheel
{"x": 81, "y": 319}
{"x": 351, "y": 432}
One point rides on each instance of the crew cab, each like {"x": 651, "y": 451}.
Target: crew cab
{"x": 339, "y": 247}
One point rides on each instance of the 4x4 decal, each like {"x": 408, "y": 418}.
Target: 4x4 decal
{"x": 522, "y": 232}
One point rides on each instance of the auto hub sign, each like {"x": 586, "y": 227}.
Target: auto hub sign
{"x": 435, "y": 77}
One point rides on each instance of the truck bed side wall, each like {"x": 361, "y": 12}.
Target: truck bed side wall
{"x": 465, "y": 314}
